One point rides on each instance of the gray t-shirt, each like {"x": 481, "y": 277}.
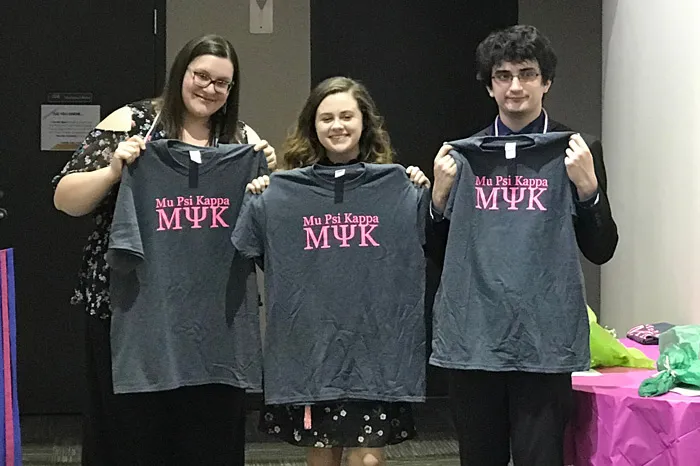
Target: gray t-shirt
{"x": 184, "y": 303}
{"x": 344, "y": 279}
{"x": 512, "y": 294}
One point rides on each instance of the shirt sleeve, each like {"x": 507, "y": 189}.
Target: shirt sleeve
{"x": 435, "y": 214}
{"x": 424, "y": 219}
{"x": 589, "y": 202}
{"x": 439, "y": 224}
{"x": 249, "y": 233}
{"x": 263, "y": 169}
{"x": 596, "y": 230}
{"x": 125, "y": 251}
{"x": 95, "y": 152}
{"x": 459, "y": 161}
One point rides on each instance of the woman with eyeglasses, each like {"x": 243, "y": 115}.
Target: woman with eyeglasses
{"x": 202, "y": 424}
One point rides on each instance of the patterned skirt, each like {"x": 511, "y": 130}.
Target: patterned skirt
{"x": 359, "y": 424}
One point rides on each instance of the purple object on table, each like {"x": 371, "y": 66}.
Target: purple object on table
{"x": 648, "y": 334}
{"x": 614, "y": 426}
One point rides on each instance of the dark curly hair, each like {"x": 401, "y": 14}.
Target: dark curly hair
{"x": 515, "y": 44}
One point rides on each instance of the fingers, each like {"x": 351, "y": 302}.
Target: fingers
{"x": 138, "y": 141}
{"x": 573, "y": 145}
{"x": 271, "y": 159}
{"x": 261, "y": 145}
{"x": 573, "y": 158}
{"x": 442, "y": 153}
{"x": 576, "y": 142}
{"x": 129, "y": 150}
{"x": 414, "y": 174}
{"x": 417, "y": 176}
{"x": 568, "y": 161}
{"x": 261, "y": 183}
{"x": 423, "y": 180}
{"x": 577, "y": 153}
{"x": 258, "y": 185}
{"x": 121, "y": 153}
{"x": 269, "y": 152}
{"x": 445, "y": 165}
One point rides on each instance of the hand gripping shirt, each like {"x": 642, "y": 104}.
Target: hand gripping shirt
{"x": 184, "y": 303}
{"x": 345, "y": 280}
{"x": 511, "y": 296}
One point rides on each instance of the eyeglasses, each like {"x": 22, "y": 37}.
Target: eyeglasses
{"x": 506, "y": 77}
{"x": 203, "y": 80}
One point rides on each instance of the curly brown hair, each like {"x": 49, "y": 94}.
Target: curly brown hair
{"x": 302, "y": 147}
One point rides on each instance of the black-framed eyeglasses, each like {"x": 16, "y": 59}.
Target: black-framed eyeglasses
{"x": 202, "y": 80}
{"x": 524, "y": 76}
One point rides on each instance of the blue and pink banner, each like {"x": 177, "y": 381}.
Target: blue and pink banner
{"x": 10, "y": 446}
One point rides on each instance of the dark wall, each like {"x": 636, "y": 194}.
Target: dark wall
{"x": 417, "y": 59}
{"x": 105, "y": 48}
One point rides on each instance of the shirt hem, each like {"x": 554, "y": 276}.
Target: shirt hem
{"x": 124, "y": 389}
{"x": 506, "y": 368}
{"x": 343, "y": 397}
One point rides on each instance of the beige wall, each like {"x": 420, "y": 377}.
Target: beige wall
{"x": 651, "y": 116}
{"x": 575, "y": 29}
{"x": 275, "y": 67}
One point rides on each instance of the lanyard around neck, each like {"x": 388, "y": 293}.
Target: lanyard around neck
{"x": 546, "y": 123}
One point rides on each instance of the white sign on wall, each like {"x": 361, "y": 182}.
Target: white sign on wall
{"x": 261, "y": 16}
{"x": 63, "y": 127}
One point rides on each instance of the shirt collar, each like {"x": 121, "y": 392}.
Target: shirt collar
{"x": 535, "y": 126}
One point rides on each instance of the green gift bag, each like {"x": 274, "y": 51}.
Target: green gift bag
{"x": 607, "y": 351}
{"x": 681, "y": 334}
{"x": 678, "y": 362}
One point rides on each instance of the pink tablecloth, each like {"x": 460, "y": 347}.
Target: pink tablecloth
{"x": 614, "y": 426}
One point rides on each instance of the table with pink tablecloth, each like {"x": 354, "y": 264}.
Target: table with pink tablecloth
{"x": 614, "y": 426}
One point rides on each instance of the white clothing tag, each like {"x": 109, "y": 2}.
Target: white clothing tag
{"x": 196, "y": 156}
{"x": 510, "y": 150}
{"x": 686, "y": 391}
{"x": 339, "y": 173}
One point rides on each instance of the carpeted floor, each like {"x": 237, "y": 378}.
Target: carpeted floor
{"x": 55, "y": 440}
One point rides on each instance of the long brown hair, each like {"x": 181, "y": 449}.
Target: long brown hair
{"x": 302, "y": 147}
{"x": 223, "y": 123}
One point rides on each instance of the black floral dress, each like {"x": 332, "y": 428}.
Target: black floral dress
{"x": 94, "y": 153}
{"x": 360, "y": 424}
